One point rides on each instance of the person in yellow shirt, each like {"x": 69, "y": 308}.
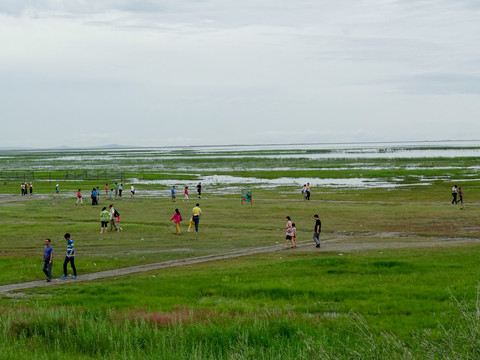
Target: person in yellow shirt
{"x": 196, "y": 212}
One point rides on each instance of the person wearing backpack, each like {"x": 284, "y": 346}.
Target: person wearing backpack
{"x": 177, "y": 218}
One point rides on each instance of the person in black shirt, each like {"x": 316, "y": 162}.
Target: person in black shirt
{"x": 317, "y": 230}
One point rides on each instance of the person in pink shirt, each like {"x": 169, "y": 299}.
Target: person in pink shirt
{"x": 177, "y": 217}
{"x": 79, "y": 198}
{"x": 106, "y": 189}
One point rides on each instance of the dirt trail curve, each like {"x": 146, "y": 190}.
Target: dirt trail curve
{"x": 341, "y": 243}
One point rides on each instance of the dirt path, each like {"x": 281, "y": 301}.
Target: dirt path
{"x": 341, "y": 243}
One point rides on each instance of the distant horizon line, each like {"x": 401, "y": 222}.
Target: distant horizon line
{"x": 118, "y": 146}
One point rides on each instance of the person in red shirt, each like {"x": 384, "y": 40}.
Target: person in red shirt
{"x": 79, "y": 197}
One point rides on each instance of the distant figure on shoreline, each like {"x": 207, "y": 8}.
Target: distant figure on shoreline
{"x": 132, "y": 191}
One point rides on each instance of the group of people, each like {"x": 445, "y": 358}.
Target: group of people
{"x": 306, "y": 191}
{"x": 173, "y": 192}
{"x": 291, "y": 232}
{"x": 69, "y": 258}
{"x": 110, "y": 216}
{"x": 25, "y": 187}
{"x": 112, "y": 193}
{"x": 194, "y": 219}
{"x": 457, "y": 194}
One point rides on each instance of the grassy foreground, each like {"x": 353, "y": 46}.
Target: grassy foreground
{"x": 391, "y": 304}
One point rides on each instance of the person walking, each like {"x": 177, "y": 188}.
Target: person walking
{"x": 460, "y": 195}
{"x": 57, "y": 191}
{"x": 294, "y": 237}
{"x": 70, "y": 258}
{"x": 48, "y": 259}
{"x": 31, "y": 188}
{"x": 104, "y": 219}
{"x": 116, "y": 189}
{"x": 120, "y": 189}
{"x": 454, "y": 194}
{"x": 308, "y": 191}
{"x": 288, "y": 231}
{"x": 185, "y": 192}
{"x": 106, "y": 189}
{"x": 132, "y": 191}
{"x": 112, "y": 217}
{"x": 199, "y": 190}
{"x": 172, "y": 192}
{"x": 304, "y": 192}
{"x": 177, "y": 218}
{"x": 79, "y": 197}
{"x": 196, "y": 213}
{"x": 111, "y": 195}
{"x": 317, "y": 230}
{"x": 117, "y": 221}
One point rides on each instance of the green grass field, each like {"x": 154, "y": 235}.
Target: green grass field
{"x": 371, "y": 302}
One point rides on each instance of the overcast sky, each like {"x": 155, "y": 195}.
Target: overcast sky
{"x": 200, "y": 72}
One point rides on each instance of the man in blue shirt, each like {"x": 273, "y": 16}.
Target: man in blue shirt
{"x": 48, "y": 260}
{"x": 69, "y": 258}
{"x": 172, "y": 191}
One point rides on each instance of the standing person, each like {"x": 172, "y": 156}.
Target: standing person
{"x": 22, "y": 187}
{"x": 57, "y": 191}
{"x": 172, "y": 192}
{"x": 132, "y": 191}
{"x": 104, "y": 219}
{"x": 191, "y": 225}
{"x": 112, "y": 217}
{"x": 294, "y": 237}
{"x": 120, "y": 189}
{"x": 460, "y": 195}
{"x": 48, "y": 259}
{"x": 116, "y": 189}
{"x": 308, "y": 191}
{"x": 317, "y": 230}
{"x": 106, "y": 189}
{"x": 79, "y": 198}
{"x": 196, "y": 212}
{"x": 199, "y": 190}
{"x": 70, "y": 258}
{"x": 31, "y": 188}
{"x": 93, "y": 196}
{"x": 454, "y": 194}
{"x": 177, "y": 218}
{"x": 97, "y": 193}
{"x": 185, "y": 192}
{"x": 304, "y": 192}
{"x": 288, "y": 231}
